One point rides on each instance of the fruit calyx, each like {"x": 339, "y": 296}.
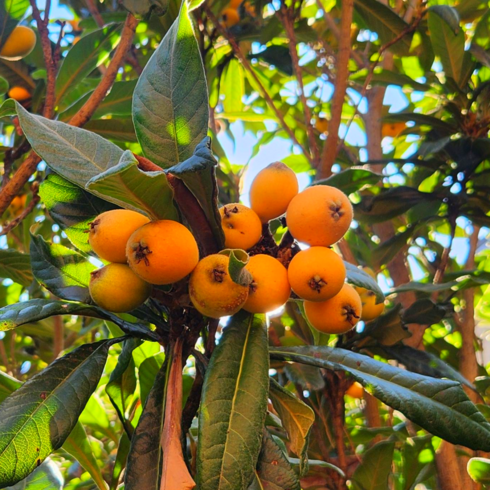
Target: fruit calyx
{"x": 227, "y": 210}
{"x": 218, "y": 274}
{"x": 337, "y": 211}
{"x": 93, "y": 226}
{"x": 350, "y": 314}
{"x": 317, "y": 283}
{"x": 141, "y": 251}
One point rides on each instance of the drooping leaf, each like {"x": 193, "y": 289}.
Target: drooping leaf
{"x": 297, "y": 418}
{"x": 360, "y": 278}
{"x": 62, "y": 271}
{"x": 16, "y": 266}
{"x": 131, "y": 188}
{"x": 170, "y": 102}
{"x": 233, "y": 406}
{"x": 120, "y": 129}
{"x": 47, "y": 477}
{"x": 375, "y": 468}
{"x": 38, "y": 417}
{"x": 351, "y": 179}
{"x": 308, "y": 377}
{"x": 454, "y": 417}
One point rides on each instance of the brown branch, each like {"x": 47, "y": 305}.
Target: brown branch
{"x": 439, "y": 274}
{"x": 330, "y": 149}
{"x": 16, "y": 221}
{"x": 59, "y": 336}
{"x": 94, "y": 12}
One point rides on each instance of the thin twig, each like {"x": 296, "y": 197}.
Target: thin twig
{"x": 94, "y": 12}
{"x": 439, "y": 274}
{"x": 28, "y": 209}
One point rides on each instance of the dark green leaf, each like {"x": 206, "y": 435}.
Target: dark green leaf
{"x": 16, "y": 266}
{"x": 145, "y": 7}
{"x": 383, "y": 254}
{"x": 115, "y": 129}
{"x": 4, "y": 86}
{"x": 37, "y": 418}
{"x": 17, "y": 73}
{"x": 46, "y": 477}
{"x": 479, "y": 470}
{"x": 361, "y": 279}
{"x": 277, "y": 55}
{"x": 387, "y": 77}
{"x": 121, "y": 459}
{"x": 131, "y": 188}
{"x": 233, "y": 406}
{"x": 449, "y": 15}
{"x": 375, "y": 468}
{"x": 170, "y": 102}
{"x": 232, "y": 86}
{"x": 422, "y": 119}
{"x": 309, "y": 377}
{"x": 453, "y": 416}
{"x": 351, "y": 179}
{"x": 425, "y": 312}
{"x": 147, "y": 372}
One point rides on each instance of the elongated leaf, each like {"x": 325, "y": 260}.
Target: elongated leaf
{"x": 297, "y": 418}
{"x": 74, "y": 153}
{"x": 422, "y": 119}
{"x": 62, "y": 271}
{"x": 82, "y": 58}
{"x": 273, "y": 469}
{"x": 145, "y": 456}
{"x": 17, "y": 73}
{"x": 121, "y": 459}
{"x": 232, "y": 86}
{"x": 387, "y": 251}
{"x": 360, "y": 278}
{"x": 131, "y": 188}
{"x": 351, "y": 179}
{"x": 114, "y": 129}
{"x": 46, "y": 477}
{"x": 387, "y": 77}
{"x": 38, "y": 417}
{"x": 373, "y": 472}
{"x": 308, "y": 377}
{"x": 16, "y": 266}
{"x": 8, "y": 385}
{"x": 170, "y": 103}
{"x": 453, "y": 416}
{"x": 233, "y": 406}
{"x": 72, "y": 208}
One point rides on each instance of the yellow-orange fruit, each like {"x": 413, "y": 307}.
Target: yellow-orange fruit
{"x": 19, "y": 93}
{"x": 337, "y": 315}
{"x": 117, "y": 288}
{"x": 270, "y": 286}
{"x": 110, "y": 231}
{"x": 321, "y": 125}
{"x": 369, "y": 272}
{"x": 392, "y": 130}
{"x": 272, "y": 190}
{"x": 211, "y": 289}
{"x": 18, "y": 204}
{"x": 355, "y": 390}
{"x": 241, "y": 226}
{"x": 19, "y": 44}
{"x": 230, "y": 17}
{"x": 162, "y": 252}
{"x": 370, "y": 310}
{"x": 320, "y": 215}
{"x": 316, "y": 274}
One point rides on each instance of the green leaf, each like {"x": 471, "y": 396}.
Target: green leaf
{"x": 375, "y": 468}
{"x": 147, "y": 372}
{"x": 17, "y": 73}
{"x": 424, "y": 312}
{"x": 144, "y": 465}
{"x": 232, "y": 86}
{"x": 385, "y": 22}
{"x": 11, "y": 13}
{"x": 199, "y": 175}
{"x": 387, "y": 77}
{"x": 387, "y": 251}
{"x": 121, "y": 459}
{"x": 84, "y": 57}
{"x": 16, "y": 266}
{"x": 453, "y": 416}
{"x": 236, "y": 267}
{"x": 74, "y": 153}
{"x": 115, "y": 129}
{"x": 145, "y": 7}
{"x": 170, "y": 102}
{"x": 448, "y": 14}
{"x": 8, "y": 385}
{"x": 273, "y": 469}
{"x": 297, "y": 418}
{"x": 447, "y": 43}
{"x": 46, "y": 477}
{"x": 131, "y": 188}
{"x": 277, "y": 55}
{"x": 233, "y": 405}
{"x": 308, "y": 377}
{"x": 62, "y": 271}
{"x": 38, "y": 417}
{"x": 4, "y": 86}
{"x": 361, "y": 279}
{"x": 72, "y": 208}
{"x": 351, "y": 180}
{"x": 479, "y": 470}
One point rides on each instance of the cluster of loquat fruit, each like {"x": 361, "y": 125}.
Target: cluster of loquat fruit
{"x": 144, "y": 253}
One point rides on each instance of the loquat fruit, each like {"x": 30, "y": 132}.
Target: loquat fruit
{"x": 355, "y": 390}
{"x": 230, "y": 17}
{"x": 19, "y": 93}
{"x": 110, "y": 231}
{"x": 234, "y": 4}
{"x": 18, "y": 204}
{"x": 19, "y": 44}
{"x": 370, "y": 310}
{"x": 211, "y": 289}
{"x": 320, "y": 215}
{"x": 117, "y": 288}
{"x": 321, "y": 125}
{"x": 270, "y": 286}
{"x": 162, "y": 252}
{"x": 337, "y": 315}
{"x": 241, "y": 226}
{"x": 392, "y": 130}
{"x": 316, "y": 274}
{"x": 272, "y": 190}
{"x": 369, "y": 272}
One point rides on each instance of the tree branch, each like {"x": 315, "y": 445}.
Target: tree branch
{"x": 16, "y": 221}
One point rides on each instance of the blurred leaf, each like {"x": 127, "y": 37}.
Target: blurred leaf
{"x": 387, "y": 77}
{"x": 479, "y": 470}
{"x": 351, "y": 179}
{"x": 375, "y": 468}
{"x": 232, "y": 86}
{"x": 448, "y": 14}
{"x": 297, "y": 418}
{"x": 454, "y": 418}
{"x": 425, "y": 312}
{"x": 170, "y": 102}
{"x": 38, "y": 417}
{"x": 361, "y": 279}
{"x": 422, "y": 119}
{"x": 16, "y": 266}
{"x": 10, "y": 14}
{"x": 46, "y": 477}
{"x": 17, "y": 74}
{"x": 116, "y": 129}
{"x": 121, "y": 459}
{"x": 277, "y": 55}
{"x": 234, "y": 405}
{"x": 307, "y": 377}
{"x": 385, "y": 252}
{"x": 4, "y": 86}
{"x": 131, "y": 188}
{"x": 8, "y": 385}
{"x": 145, "y": 7}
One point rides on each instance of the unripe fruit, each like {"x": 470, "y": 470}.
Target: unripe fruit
{"x": 316, "y": 274}
{"x": 19, "y": 93}
{"x": 320, "y": 215}
{"x": 370, "y": 310}
{"x": 231, "y": 17}
{"x": 162, "y": 252}
{"x": 272, "y": 190}
{"x": 241, "y": 226}
{"x": 392, "y": 130}
{"x": 321, "y": 125}
{"x": 117, "y": 288}
{"x": 355, "y": 390}
{"x": 270, "y": 286}
{"x": 211, "y": 289}
{"x": 19, "y": 44}
{"x": 110, "y": 231}
{"x": 337, "y": 315}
